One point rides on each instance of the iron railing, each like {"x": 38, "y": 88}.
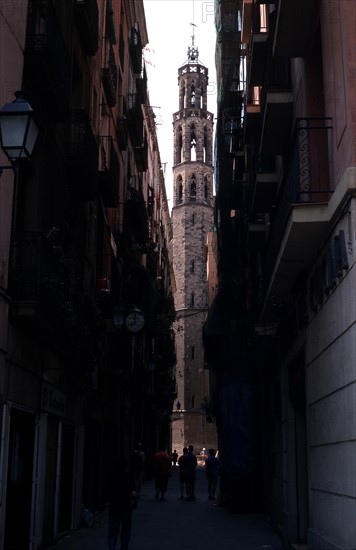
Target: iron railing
{"x": 309, "y": 178}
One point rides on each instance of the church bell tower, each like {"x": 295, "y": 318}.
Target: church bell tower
{"x": 192, "y": 218}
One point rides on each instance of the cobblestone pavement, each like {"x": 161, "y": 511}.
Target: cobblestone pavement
{"x": 177, "y": 524}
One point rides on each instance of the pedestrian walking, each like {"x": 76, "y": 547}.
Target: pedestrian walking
{"x": 190, "y": 462}
{"x": 162, "y": 467}
{"x": 212, "y": 469}
{"x": 182, "y": 473}
{"x": 174, "y": 458}
{"x": 121, "y": 498}
{"x": 138, "y": 466}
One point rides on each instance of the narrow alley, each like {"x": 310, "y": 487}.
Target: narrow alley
{"x": 178, "y": 524}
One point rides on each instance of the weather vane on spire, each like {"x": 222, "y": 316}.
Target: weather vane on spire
{"x": 193, "y": 52}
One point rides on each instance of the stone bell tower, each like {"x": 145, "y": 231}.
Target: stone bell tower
{"x": 192, "y": 218}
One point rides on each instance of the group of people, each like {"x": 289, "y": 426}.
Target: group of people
{"x": 127, "y": 478}
{"x": 187, "y": 467}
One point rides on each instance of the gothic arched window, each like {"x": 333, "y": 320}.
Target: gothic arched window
{"x": 205, "y": 144}
{"x": 180, "y": 189}
{"x": 193, "y": 143}
{"x": 182, "y": 96}
{"x": 193, "y": 188}
{"x": 206, "y": 188}
{"x": 180, "y": 145}
{"x": 192, "y": 95}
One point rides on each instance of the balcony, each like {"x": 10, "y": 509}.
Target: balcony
{"x": 294, "y": 26}
{"x": 86, "y": 16}
{"x": 47, "y": 62}
{"x": 136, "y": 215}
{"x": 300, "y": 220}
{"x": 276, "y": 122}
{"x": 39, "y": 277}
{"x": 121, "y": 128}
{"x": 256, "y": 233}
{"x": 109, "y": 173}
{"x": 136, "y": 50}
{"x": 265, "y": 191}
{"x": 141, "y": 87}
{"x": 258, "y": 53}
{"x": 135, "y": 119}
{"x": 45, "y": 301}
{"x": 109, "y": 76}
{"x": 82, "y": 155}
{"x": 252, "y": 119}
{"x": 141, "y": 155}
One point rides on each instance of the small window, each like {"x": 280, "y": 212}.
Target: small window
{"x": 192, "y": 352}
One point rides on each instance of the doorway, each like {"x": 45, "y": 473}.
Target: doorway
{"x": 19, "y": 480}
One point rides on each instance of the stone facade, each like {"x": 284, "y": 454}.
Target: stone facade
{"x": 192, "y": 218}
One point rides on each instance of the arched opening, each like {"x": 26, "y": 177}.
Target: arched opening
{"x": 192, "y": 96}
{"x": 205, "y": 144}
{"x": 179, "y": 189}
{"x": 206, "y": 188}
{"x": 179, "y": 145}
{"x": 193, "y": 144}
{"x": 192, "y": 188}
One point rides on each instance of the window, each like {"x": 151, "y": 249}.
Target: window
{"x": 192, "y": 96}
{"x": 206, "y": 188}
{"x": 193, "y": 188}
{"x": 193, "y": 144}
{"x": 180, "y": 189}
{"x": 192, "y": 352}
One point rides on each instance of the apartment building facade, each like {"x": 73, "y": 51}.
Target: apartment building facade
{"x": 86, "y": 349}
{"x": 286, "y": 208}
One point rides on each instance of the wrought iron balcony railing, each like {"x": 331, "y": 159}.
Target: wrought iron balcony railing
{"x": 136, "y": 50}
{"x": 135, "y": 119}
{"x": 109, "y": 75}
{"x": 309, "y": 178}
{"x": 109, "y": 172}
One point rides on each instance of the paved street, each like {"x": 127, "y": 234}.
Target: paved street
{"x": 176, "y": 524}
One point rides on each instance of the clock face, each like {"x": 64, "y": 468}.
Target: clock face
{"x": 134, "y": 321}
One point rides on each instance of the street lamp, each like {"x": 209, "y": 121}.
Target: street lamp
{"x": 18, "y": 130}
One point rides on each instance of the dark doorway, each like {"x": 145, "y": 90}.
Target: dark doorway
{"x": 66, "y": 479}
{"x": 298, "y": 401}
{"x": 19, "y": 480}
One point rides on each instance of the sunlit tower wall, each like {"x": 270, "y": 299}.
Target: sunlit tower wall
{"x": 192, "y": 219}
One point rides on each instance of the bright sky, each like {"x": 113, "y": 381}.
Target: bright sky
{"x": 170, "y": 33}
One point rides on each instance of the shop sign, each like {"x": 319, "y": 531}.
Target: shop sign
{"x": 52, "y": 400}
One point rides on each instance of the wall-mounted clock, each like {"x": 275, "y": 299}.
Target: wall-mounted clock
{"x": 134, "y": 321}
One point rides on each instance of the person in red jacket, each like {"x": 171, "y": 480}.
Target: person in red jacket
{"x": 162, "y": 468}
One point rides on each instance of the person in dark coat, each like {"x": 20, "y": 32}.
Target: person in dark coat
{"x": 121, "y": 498}
{"x": 190, "y": 464}
{"x": 182, "y": 476}
{"x": 212, "y": 469}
